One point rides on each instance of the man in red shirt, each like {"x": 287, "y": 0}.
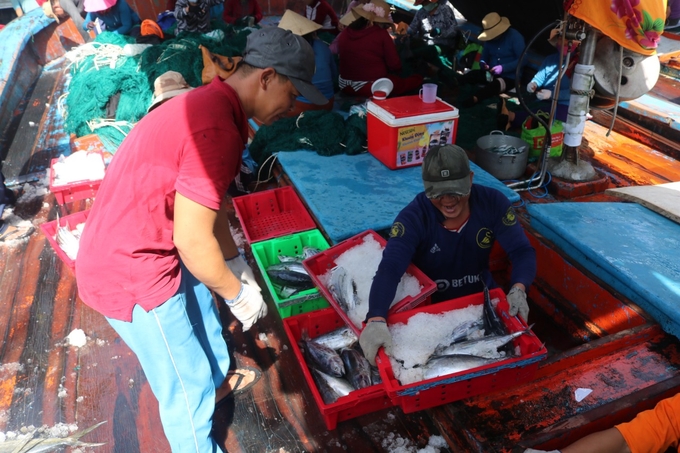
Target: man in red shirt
{"x": 156, "y": 240}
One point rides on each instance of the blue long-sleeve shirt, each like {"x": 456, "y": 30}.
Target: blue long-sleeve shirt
{"x": 454, "y": 260}
{"x": 546, "y": 77}
{"x": 119, "y": 19}
{"x": 504, "y": 50}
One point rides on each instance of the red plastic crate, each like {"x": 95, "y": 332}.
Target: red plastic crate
{"x": 358, "y": 402}
{"x": 50, "y": 231}
{"x": 77, "y": 190}
{"x": 272, "y": 213}
{"x": 322, "y": 262}
{"x": 453, "y": 387}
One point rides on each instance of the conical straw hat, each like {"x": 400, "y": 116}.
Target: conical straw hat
{"x": 297, "y": 24}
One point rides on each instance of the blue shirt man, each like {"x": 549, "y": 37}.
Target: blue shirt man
{"x": 448, "y": 232}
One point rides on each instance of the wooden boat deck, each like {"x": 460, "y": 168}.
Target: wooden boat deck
{"x": 596, "y": 339}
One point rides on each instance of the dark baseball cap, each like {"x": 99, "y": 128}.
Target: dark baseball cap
{"x": 290, "y": 55}
{"x": 446, "y": 170}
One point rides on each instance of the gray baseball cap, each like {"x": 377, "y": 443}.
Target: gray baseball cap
{"x": 290, "y": 55}
{"x": 446, "y": 170}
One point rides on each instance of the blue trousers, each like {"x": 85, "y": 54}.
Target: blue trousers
{"x": 185, "y": 358}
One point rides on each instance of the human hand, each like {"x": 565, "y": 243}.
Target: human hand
{"x": 532, "y": 87}
{"x": 435, "y": 32}
{"x": 543, "y": 94}
{"x": 375, "y": 335}
{"x": 238, "y": 266}
{"x": 248, "y": 306}
{"x": 517, "y": 299}
{"x": 90, "y": 25}
{"x": 497, "y": 70}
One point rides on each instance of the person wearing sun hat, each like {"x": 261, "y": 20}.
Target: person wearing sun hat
{"x": 117, "y": 16}
{"x": 448, "y": 231}
{"x": 167, "y": 86}
{"x": 544, "y": 83}
{"x": 157, "y": 241}
{"x": 326, "y": 72}
{"x": 367, "y": 52}
{"x": 503, "y": 46}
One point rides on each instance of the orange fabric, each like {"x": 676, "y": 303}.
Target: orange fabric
{"x": 654, "y": 430}
{"x": 634, "y": 24}
{"x": 150, "y": 27}
{"x": 216, "y": 65}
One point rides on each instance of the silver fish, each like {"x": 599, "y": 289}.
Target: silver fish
{"x": 358, "y": 370}
{"x": 486, "y": 347}
{"x": 47, "y": 444}
{"x": 286, "y": 291}
{"x": 344, "y": 337}
{"x": 375, "y": 376}
{"x": 308, "y": 252}
{"x": 289, "y": 259}
{"x": 322, "y": 357}
{"x": 462, "y": 332}
{"x": 442, "y": 366}
{"x": 290, "y": 274}
{"x": 331, "y": 388}
{"x": 343, "y": 288}
{"x": 493, "y": 325}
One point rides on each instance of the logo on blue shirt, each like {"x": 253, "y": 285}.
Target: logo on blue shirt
{"x": 484, "y": 238}
{"x": 435, "y": 248}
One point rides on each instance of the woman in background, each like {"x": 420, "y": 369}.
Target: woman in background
{"x": 116, "y": 15}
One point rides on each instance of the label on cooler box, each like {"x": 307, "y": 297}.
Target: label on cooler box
{"x": 413, "y": 142}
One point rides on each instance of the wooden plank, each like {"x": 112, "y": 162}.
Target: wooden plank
{"x": 663, "y": 198}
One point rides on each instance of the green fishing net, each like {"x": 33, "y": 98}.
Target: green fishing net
{"x": 93, "y": 84}
{"x": 327, "y": 133}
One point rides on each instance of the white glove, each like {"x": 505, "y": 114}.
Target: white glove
{"x": 543, "y": 94}
{"x": 242, "y": 271}
{"x": 531, "y": 450}
{"x": 375, "y": 335}
{"x": 532, "y": 87}
{"x": 248, "y": 306}
{"x": 517, "y": 299}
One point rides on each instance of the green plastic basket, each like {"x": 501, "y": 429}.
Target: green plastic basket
{"x": 267, "y": 253}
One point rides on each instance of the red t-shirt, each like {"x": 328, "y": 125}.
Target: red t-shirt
{"x": 235, "y": 10}
{"x": 323, "y": 14}
{"x": 191, "y": 144}
{"x": 368, "y": 54}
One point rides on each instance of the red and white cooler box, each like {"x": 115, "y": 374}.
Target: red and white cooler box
{"x": 402, "y": 130}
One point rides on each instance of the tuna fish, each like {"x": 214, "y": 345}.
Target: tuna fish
{"x": 464, "y": 331}
{"x": 322, "y": 357}
{"x": 343, "y": 288}
{"x": 331, "y": 388}
{"x": 308, "y": 252}
{"x": 290, "y": 274}
{"x": 344, "y": 337}
{"x": 493, "y": 325}
{"x": 442, "y": 366}
{"x": 486, "y": 347}
{"x": 357, "y": 368}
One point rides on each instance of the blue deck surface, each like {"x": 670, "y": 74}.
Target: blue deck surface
{"x": 351, "y": 194}
{"x": 629, "y": 247}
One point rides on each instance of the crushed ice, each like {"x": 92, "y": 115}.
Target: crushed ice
{"x": 361, "y": 263}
